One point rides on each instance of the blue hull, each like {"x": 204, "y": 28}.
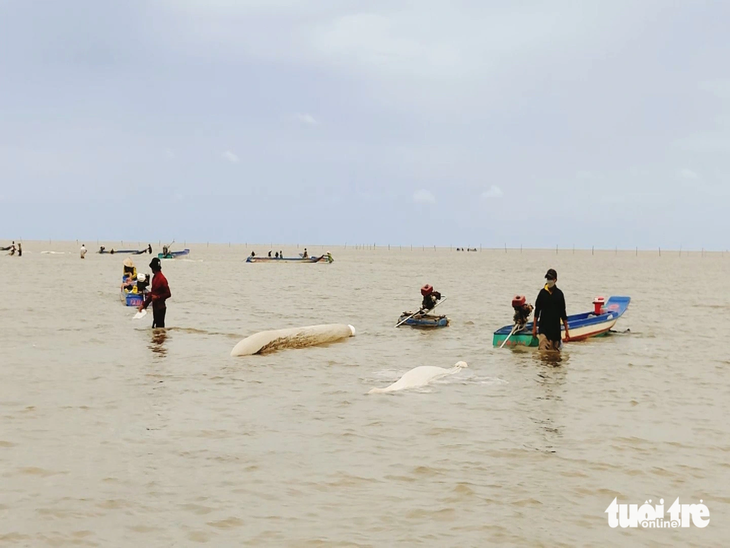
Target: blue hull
{"x": 424, "y": 321}
{"x": 582, "y": 326}
{"x": 173, "y": 254}
{"x": 132, "y": 299}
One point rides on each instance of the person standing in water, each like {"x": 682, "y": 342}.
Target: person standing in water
{"x": 20, "y": 249}
{"x": 149, "y": 249}
{"x": 83, "y": 251}
{"x": 549, "y": 310}
{"x": 159, "y": 293}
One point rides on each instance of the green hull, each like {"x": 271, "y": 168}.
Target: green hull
{"x": 526, "y": 339}
{"x": 515, "y": 340}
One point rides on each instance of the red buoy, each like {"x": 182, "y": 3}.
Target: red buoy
{"x": 426, "y": 290}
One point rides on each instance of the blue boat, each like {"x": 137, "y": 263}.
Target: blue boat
{"x": 131, "y": 298}
{"x": 423, "y": 320}
{"x": 324, "y": 259}
{"x": 582, "y": 326}
{"x": 173, "y": 254}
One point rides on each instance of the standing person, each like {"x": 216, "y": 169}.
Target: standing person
{"x": 549, "y": 310}
{"x": 20, "y": 249}
{"x": 83, "y": 251}
{"x": 149, "y": 249}
{"x": 159, "y": 293}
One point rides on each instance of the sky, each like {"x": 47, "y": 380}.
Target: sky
{"x": 464, "y": 123}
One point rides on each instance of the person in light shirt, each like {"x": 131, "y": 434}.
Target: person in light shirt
{"x": 83, "y": 251}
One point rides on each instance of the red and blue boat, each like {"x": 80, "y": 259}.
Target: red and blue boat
{"x": 582, "y": 326}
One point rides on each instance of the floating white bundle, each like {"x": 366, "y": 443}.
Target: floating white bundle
{"x": 419, "y": 376}
{"x": 297, "y": 337}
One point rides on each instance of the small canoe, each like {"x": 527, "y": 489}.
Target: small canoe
{"x": 173, "y": 254}
{"x": 122, "y": 251}
{"x": 582, "y": 326}
{"x": 426, "y": 320}
{"x": 324, "y": 259}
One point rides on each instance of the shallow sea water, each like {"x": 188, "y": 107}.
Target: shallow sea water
{"x": 112, "y": 434}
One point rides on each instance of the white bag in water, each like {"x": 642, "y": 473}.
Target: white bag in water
{"x": 297, "y": 337}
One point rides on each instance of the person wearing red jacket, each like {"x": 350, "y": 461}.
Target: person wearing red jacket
{"x": 159, "y": 293}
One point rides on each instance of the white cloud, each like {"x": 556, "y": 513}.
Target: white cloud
{"x": 688, "y": 174}
{"x": 493, "y": 192}
{"x": 424, "y": 196}
{"x": 228, "y": 155}
{"x": 307, "y": 119}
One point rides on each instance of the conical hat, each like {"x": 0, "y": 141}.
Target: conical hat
{"x": 128, "y": 262}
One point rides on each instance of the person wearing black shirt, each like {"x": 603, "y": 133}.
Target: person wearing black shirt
{"x": 549, "y": 310}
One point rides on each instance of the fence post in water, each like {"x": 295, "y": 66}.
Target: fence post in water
{"x": 637, "y": 251}
{"x": 520, "y": 249}
{"x": 505, "y": 247}
{"x": 556, "y": 250}
{"x": 660, "y": 251}
{"x": 592, "y": 249}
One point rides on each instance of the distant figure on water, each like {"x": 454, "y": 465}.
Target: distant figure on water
{"x": 430, "y": 298}
{"x": 276, "y": 255}
{"x": 12, "y": 249}
{"x": 549, "y": 310}
{"x": 149, "y": 249}
{"x": 269, "y": 253}
{"x": 83, "y": 251}
{"x": 159, "y": 293}
{"x": 20, "y": 249}
{"x": 253, "y": 254}
{"x": 305, "y": 255}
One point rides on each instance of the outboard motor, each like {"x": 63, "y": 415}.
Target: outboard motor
{"x": 598, "y": 303}
{"x": 522, "y": 310}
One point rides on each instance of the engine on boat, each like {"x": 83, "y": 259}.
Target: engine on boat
{"x": 522, "y": 310}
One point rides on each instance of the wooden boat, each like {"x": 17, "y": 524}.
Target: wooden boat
{"x": 582, "y": 326}
{"x": 324, "y": 259}
{"x": 425, "y": 320}
{"x": 173, "y": 254}
{"x": 103, "y": 251}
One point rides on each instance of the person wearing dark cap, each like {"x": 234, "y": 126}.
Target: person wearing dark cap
{"x": 549, "y": 310}
{"x": 159, "y": 293}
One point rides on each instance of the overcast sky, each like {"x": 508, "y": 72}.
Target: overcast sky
{"x": 459, "y": 122}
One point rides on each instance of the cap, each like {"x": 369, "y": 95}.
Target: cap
{"x": 551, "y": 275}
{"x": 140, "y": 277}
{"x": 155, "y": 263}
{"x": 128, "y": 262}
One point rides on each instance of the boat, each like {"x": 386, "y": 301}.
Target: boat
{"x": 104, "y": 251}
{"x": 131, "y": 298}
{"x": 424, "y": 320}
{"x": 173, "y": 254}
{"x": 582, "y": 326}
{"x": 325, "y": 259}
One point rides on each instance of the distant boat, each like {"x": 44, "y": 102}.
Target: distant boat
{"x": 104, "y": 251}
{"x": 326, "y": 259}
{"x": 173, "y": 254}
{"x": 426, "y": 320}
{"x": 582, "y": 326}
